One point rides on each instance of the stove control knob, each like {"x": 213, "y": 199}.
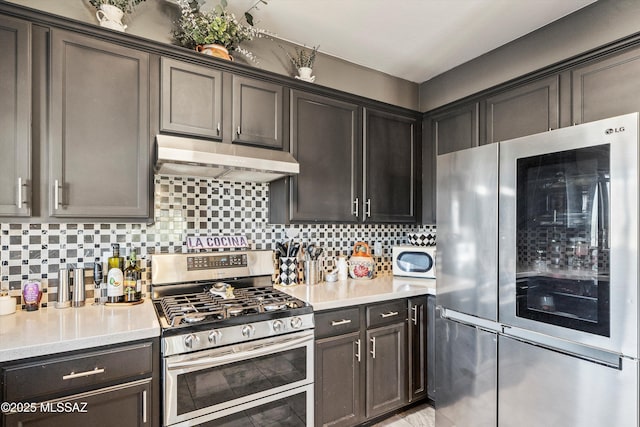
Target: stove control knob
{"x": 214, "y": 337}
{"x": 248, "y": 331}
{"x": 296, "y": 322}
{"x": 278, "y": 325}
{"x": 191, "y": 341}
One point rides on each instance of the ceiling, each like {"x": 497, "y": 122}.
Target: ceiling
{"x": 411, "y": 39}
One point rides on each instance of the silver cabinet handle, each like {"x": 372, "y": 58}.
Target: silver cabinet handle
{"x": 358, "y": 351}
{"x": 415, "y": 314}
{"x": 368, "y": 208}
{"x": 218, "y": 128}
{"x": 389, "y": 314}
{"x": 56, "y": 194}
{"x": 73, "y": 375}
{"x": 356, "y": 206}
{"x": 340, "y": 322}
{"x": 144, "y": 406}
{"x": 19, "y": 193}
{"x": 238, "y": 130}
{"x": 373, "y": 347}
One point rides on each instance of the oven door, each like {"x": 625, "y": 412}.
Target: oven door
{"x": 212, "y": 384}
{"x": 568, "y": 234}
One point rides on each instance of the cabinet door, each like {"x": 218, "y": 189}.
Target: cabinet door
{"x": 386, "y": 369}
{"x": 390, "y": 155}
{"x": 325, "y": 139}
{"x": 431, "y": 347}
{"x": 337, "y": 380}
{"x": 191, "y": 99}
{"x": 257, "y": 112}
{"x": 417, "y": 348}
{"x": 123, "y": 405}
{"x": 607, "y": 87}
{"x": 526, "y": 110}
{"x": 15, "y": 117}
{"x": 456, "y": 129}
{"x": 99, "y": 163}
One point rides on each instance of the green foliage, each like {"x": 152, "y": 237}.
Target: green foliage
{"x": 303, "y": 57}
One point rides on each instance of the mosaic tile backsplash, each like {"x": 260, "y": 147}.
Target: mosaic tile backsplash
{"x": 184, "y": 207}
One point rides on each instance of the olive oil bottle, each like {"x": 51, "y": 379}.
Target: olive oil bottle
{"x": 131, "y": 280}
{"x": 115, "y": 276}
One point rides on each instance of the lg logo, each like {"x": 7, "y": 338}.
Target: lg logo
{"x": 614, "y": 130}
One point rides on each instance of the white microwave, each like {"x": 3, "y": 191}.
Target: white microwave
{"x": 414, "y": 261}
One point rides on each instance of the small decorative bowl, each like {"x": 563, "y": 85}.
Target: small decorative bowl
{"x": 422, "y": 239}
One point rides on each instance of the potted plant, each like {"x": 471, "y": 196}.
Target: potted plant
{"x": 110, "y": 12}
{"x": 218, "y": 32}
{"x": 303, "y": 60}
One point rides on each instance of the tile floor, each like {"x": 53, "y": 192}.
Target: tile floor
{"x": 418, "y": 416}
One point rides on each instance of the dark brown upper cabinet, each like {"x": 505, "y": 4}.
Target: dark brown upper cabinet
{"x": 15, "y": 118}
{"x": 455, "y": 129}
{"x": 325, "y": 139}
{"x": 525, "y": 110}
{"x": 390, "y": 168}
{"x": 257, "y": 112}
{"x": 99, "y": 153}
{"x": 606, "y": 87}
{"x": 190, "y": 99}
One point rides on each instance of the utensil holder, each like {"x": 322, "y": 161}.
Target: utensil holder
{"x": 312, "y": 272}
{"x": 288, "y": 270}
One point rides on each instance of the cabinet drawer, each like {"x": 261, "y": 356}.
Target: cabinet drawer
{"x": 62, "y": 375}
{"x": 337, "y": 322}
{"x": 385, "y": 313}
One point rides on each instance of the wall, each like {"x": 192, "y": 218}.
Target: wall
{"x": 184, "y": 207}
{"x": 593, "y": 26}
{"x": 153, "y": 19}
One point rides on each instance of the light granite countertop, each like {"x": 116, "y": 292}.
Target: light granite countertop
{"x": 51, "y": 330}
{"x": 330, "y": 295}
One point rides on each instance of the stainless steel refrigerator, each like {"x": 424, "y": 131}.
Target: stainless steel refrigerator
{"x": 537, "y": 280}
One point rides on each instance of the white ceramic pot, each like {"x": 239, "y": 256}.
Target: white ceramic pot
{"x": 304, "y": 73}
{"x": 110, "y": 16}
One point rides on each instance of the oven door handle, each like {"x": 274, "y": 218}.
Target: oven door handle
{"x": 202, "y": 362}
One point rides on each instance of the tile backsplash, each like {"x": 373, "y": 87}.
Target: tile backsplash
{"x": 184, "y": 206}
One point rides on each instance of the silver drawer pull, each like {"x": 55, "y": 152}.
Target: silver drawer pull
{"x": 389, "y": 314}
{"x": 56, "y": 194}
{"x": 358, "y": 352}
{"x": 373, "y": 347}
{"x": 73, "y": 375}
{"x": 340, "y": 322}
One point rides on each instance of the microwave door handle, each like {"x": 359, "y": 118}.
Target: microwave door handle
{"x": 210, "y": 361}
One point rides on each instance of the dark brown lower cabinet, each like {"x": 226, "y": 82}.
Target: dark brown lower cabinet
{"x": 386, "y": 369}
{"x": 123, "y": 405}
{"x": 362, "y": 359}
{"x": 338, "y": 377}
{"x": 104, "y": 386}
{"x": 417, "y": 334}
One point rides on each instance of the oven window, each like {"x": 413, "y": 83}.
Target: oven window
{"x": 415, "y": 262}
{"x": 290, "y": 411}
{"x": 562, "y": 234}
{"x": 207, "y": 387}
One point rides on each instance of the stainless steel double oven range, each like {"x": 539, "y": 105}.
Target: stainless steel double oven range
{"x": 234, "y": 352}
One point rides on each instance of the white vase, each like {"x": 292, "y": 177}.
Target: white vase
{"x": 304, "y": 73}
{"x": 110, "y": 16}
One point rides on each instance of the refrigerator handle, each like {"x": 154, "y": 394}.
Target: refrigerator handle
{"x": 473, "y": 321}
{"x": 589, "y": 354}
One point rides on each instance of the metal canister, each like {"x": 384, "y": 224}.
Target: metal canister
{"x": 64, "y": 291}
{"x": 78, "y": 287}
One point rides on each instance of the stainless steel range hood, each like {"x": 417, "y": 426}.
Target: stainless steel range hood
{"x": 195, "y": 157}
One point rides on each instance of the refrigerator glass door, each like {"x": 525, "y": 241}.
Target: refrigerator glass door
{"x": 568, "y": 233}
{"x": 542, "y": 387}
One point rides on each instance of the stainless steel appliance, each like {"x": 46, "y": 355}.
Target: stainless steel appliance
{"x": 237, "y": 352}
{"x": 414, "y": 261}
{"x": 537, "y": 280}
